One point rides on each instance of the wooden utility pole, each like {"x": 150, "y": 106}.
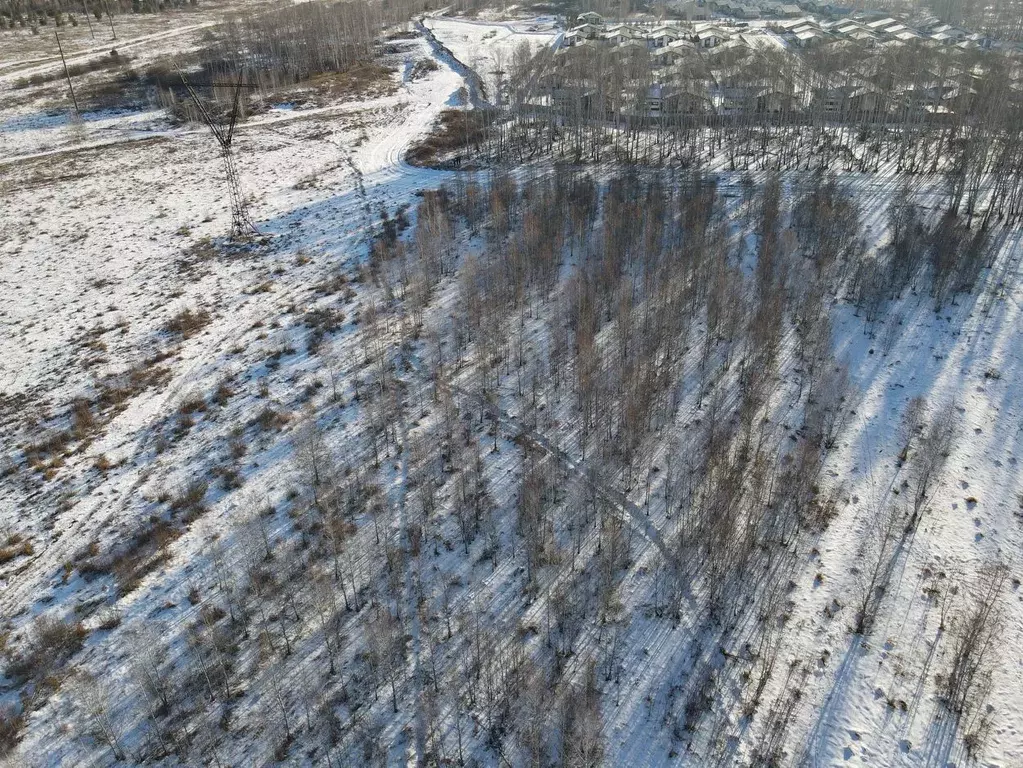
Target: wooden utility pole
{"x": 67, "y": 74}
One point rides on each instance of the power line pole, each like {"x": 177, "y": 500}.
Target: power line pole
{"x": 241, "y": 224}
{"x": 67, "y": 74}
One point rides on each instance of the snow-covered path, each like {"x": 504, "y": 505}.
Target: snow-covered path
{"x": 17, "y": 70}
{"x": 617, "y": 500}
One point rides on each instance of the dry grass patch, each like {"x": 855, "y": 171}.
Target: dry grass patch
{"x": 11, "y": 725}
{"x": 188, "y": 322}
{"x": 130, "y": 563}
{"x": 458, "y": 133}
{"x": 116, "y": 390}
{"x": 364, "y": 81}
{"x": 270, "y": 418}
{"x": 113, "y": 60}
{"x": 52, "y": 643}
{"x": 15, "y": 546}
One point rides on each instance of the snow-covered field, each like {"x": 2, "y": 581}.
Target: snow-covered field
{"x": 95, "y": 257}
{"x": 94, "y": 237}
{"x": 490, "y": 48}
{"x": 109, "y": 232}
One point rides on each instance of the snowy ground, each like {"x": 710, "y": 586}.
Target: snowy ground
{"x": 869, "y": 702}
{"x": 104, "y": 226}
{"x": 962, "y": 356}
{"x": 38, "y": 117}
{"x": 490, "y": 48}
{"x": 128, "y": 208}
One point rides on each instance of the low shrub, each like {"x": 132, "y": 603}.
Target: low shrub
{"x": 457, "y": 131}
{"x": 52, "y": 643}
{"x": 187, "y": 323}
{"x": 11, "y": 725}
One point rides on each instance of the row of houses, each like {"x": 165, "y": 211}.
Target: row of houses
{"x": 789, "y": 21}
{"x": 690, "y": 10}
{"x": 795, "y": 33}
{"x": 872, "y": 31}
{"x": 729, "y": 77}
{"x": 751, "y": 9}
{"x": 655, "y": 38}
{"x": 705, "y": 10}
{"x": 691, "y": 98}
{"x": 721, "y": 68}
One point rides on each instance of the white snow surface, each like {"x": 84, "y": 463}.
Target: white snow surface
{"x": 95, "y": 219}
{"x": 489, "y": 47}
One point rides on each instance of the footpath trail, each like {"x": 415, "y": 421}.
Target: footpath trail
{"x": 618, "y": 500}
{"x": 17, "y": 70}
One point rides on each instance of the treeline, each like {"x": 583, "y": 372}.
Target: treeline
{"x": 623, "y": 326}
{"x": 909, "y": 109}
{"x": 292, "y": 44}
{"x": 297, "y": 42}
{"x": 33, "y": 14}
{"x": 644, "y": 357}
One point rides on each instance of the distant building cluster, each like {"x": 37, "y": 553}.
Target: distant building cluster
{"x": 870, "y": 31}
{"x": 665, "y": 40}
{"x": 710, "y": 25}
{"x": 723, "y": 66}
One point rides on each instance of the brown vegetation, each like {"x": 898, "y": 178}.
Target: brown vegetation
{"x": 457, "y": 135}
{"x": 15, "y": 546}
{"x": 187, "y": 322}
{"x": 52, "y": 643}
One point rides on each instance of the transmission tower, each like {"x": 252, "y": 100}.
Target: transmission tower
{"x": 241, "y": 225}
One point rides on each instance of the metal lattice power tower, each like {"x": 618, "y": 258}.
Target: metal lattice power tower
{"x": 241, "y": 225}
